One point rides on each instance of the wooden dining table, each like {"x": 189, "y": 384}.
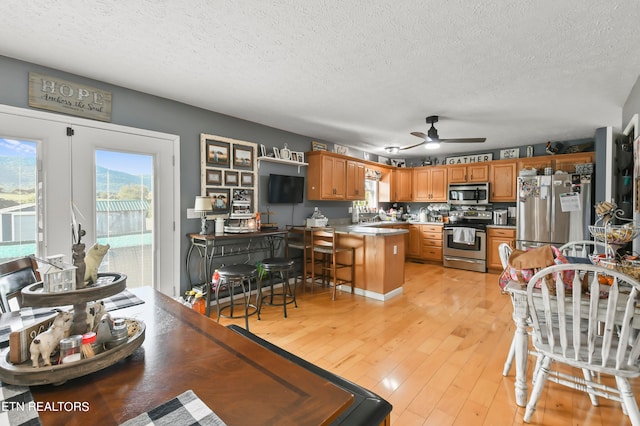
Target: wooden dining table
{"x": 240, "y": 380}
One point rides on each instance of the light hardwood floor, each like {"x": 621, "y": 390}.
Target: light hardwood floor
{"x": 436, "y": 352}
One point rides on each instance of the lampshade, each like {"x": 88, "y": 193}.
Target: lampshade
{"x": 203, "y": 204}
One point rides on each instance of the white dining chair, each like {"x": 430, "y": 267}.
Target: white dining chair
{"x": 593, "y": 331}
{"x": 583, "y": 248}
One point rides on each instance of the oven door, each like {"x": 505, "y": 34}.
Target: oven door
{"x": 465, "y": 256}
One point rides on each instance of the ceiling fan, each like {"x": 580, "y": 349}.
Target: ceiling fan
{"x": 431, "y": 140}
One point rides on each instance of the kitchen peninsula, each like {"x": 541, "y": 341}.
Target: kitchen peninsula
{"x": 379, "y": 258}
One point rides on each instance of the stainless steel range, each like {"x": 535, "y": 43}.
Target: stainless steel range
{"x": 465, "y": 240}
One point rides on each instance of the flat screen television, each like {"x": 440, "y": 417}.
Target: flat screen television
{"x": 285, "y": 189}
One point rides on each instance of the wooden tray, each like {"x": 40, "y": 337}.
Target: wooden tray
{"x": 33, "y": 295}
{"x": 25, "y": 375}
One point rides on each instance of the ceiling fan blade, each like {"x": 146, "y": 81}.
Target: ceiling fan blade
{"x": 412, "y": 146}
{"x": 464, "y": 140}
{"x": 419, "y": 134}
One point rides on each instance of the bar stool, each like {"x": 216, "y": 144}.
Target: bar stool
{"x": 238, "y": 276}
{"x": 334, "y": 258}
{"x": 284, "y": 266}
{"x": 299, "y": 239}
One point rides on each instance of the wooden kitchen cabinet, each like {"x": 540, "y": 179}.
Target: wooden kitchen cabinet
{"x": 502, "y": 181}
{"x": 567, "y": 162}
{"x": 326, "y": 176}
{"x": 495, "y": 237}
{"x": 355, "y": 180}
{"x": 430, "y": 184}
{"x": 402, "y": 188}
{"x": 415, "y": 241}
{"x": 468, "y": 173}
{"x": 431, "y": 243}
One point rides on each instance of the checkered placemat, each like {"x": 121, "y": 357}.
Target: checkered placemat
{"x": 17, "y": 406}
{"x": 185, "y": 409}
{"x": 27, "y": 316}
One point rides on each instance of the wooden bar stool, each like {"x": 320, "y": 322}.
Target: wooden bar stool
{"x": 285, "y": 267}
{"x": 233, "y": 277}
{"x": 324, "y": 242}
{"x": 298, "y": 239}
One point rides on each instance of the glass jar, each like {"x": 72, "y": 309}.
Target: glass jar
{"x": 70, "y": 349}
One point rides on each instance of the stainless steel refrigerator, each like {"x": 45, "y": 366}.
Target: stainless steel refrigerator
{"x": 553, "y": 209}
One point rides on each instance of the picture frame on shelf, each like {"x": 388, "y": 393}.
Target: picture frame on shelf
{"x": 246, "y": 179}
{"x": 318, "y": 146}
{"x": 300, "y": 156}
{"x": 219, "y": 199}
{"x": 294, "y": 156}
{"x": 263, "y": 150}
{"x": 217, "y": 153}
{"x": 214, "y": 177}
{"x": 276, "y": 152}
{"x": 242, "y": 157}
{"x": 231, "y": 178}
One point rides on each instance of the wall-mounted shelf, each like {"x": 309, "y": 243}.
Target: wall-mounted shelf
{"x": 282, "y": 161}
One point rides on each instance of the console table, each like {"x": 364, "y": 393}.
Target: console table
{"x": 218, "y": 246}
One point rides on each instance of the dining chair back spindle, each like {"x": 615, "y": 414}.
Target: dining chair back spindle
{"x": 587, "y": 326}
{"x": 583, "y": 248}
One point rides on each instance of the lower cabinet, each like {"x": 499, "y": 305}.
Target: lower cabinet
{"x": 495, "y": 237}
{"x": 425, "y": 242}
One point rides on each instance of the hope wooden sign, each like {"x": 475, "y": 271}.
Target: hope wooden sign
{"x": 55, "y": 94}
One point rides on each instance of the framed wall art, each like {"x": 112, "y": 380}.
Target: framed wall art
{"x": 217, "y": 153}
{"x": 242, "y": 157}
{"x": 231, "y": 178}
{"x": 214, "y": 177}
{"x": 246, "y": 179}
{"x": 219, "y": 200}
{"x": 226, "y": 165}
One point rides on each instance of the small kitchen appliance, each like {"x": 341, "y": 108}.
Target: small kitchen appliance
{"x": 500, "y": 217}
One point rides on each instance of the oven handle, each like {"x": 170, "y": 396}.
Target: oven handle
{"x": 463, "y": 259}
{"x": 478, "y": 231}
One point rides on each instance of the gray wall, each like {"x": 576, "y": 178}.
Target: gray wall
{"x": 140, "y": 110}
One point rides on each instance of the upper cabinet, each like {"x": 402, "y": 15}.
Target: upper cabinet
{"x": 502, "y": 181}
{"x": 430, "y": 184}
{"x": 468, "y": 173}
{"x": 402, "y": 184}
{"x": 326, "y": 176}
{"x": 567, "y": 162}
{"x": 355, "y": 180}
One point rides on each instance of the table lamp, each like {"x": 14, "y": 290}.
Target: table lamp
{"x": 203, "y": 206}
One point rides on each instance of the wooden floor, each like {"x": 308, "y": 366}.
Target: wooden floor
{"x": 436, "y": 352}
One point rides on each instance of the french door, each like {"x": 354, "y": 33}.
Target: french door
{"x": 120, "y": 184}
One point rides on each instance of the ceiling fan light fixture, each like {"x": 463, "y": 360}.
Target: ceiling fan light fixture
{"x": 392, "y": 149}
{"x": 432, "y": 145}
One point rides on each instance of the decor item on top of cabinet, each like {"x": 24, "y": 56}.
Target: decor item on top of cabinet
{"x": 581, "y": 147}
{"x": 530, "y": 151}
{"x": 383, "y": 160}
{"x": 398, "y": 162}
{"x": 467, "y": 159}
{"x": 506, "y": 154}
{"x": 552, "y": 149}
{"x": 341, "y": 149}
{"x": 318, "y": 146}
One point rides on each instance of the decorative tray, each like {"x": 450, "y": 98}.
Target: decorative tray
{"x": 25, "y": 375}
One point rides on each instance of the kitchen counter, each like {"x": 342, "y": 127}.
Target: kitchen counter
{"x": 370, "y": 230}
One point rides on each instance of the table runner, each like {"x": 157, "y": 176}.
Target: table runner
{"x": 185, "y": 409}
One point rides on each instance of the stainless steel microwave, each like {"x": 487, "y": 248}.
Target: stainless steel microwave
{"x": 468, "y": 193}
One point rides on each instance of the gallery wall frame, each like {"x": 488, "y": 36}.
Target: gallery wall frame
{"x": 227, "y": 164}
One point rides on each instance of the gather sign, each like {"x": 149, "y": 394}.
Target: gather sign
{"x": 469, "y": 159}
{"x": 55, "y": 94}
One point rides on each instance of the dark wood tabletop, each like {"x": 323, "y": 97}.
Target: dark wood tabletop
{"x": 243, "y": 382}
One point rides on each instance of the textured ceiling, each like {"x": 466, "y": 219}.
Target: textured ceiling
{"x": 358, "y": 73}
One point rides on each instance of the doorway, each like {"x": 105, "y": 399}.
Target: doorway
{"x": 119, "y": 183}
